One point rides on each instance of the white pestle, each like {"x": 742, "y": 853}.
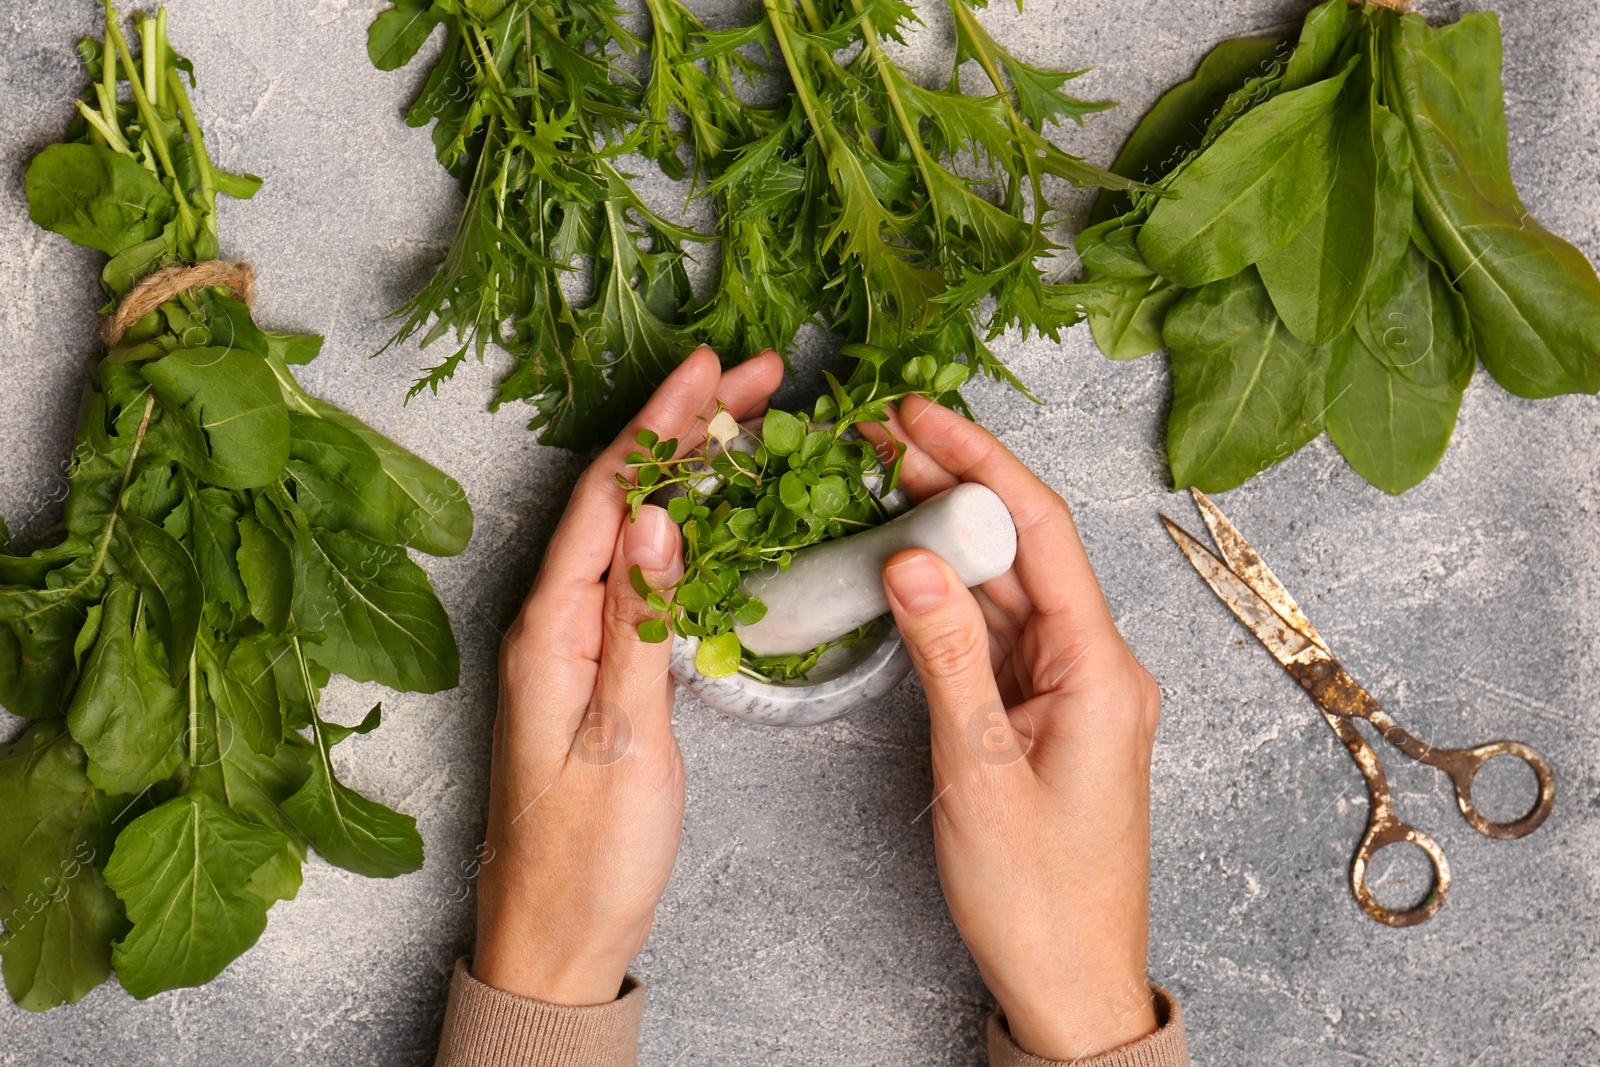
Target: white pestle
{"x": 832, "y": 588}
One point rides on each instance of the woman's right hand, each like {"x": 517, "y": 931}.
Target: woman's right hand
{"x": 1042, "y": 725}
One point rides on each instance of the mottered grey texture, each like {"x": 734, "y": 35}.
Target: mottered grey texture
{"x": 804, "y": 923}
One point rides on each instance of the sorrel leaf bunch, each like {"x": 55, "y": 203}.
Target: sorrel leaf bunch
{"x": 229, "y": 543}
{"x": 911, "y": 220}
{"x": 749, "y": 501}
{"x": 1342, "y": 245}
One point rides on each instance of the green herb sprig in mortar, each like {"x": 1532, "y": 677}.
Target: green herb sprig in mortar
{"x": 230, "y": 542}
{"x": 807, "y": 479}
{"x": 1345, "y": 244}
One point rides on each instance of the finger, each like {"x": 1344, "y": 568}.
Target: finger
{"x": 943, "y": 628}
{"x": 581, "y": 548}
{"x": 746, "y": 388}
{"x": 633, "y": 692}
{"x": 920, "y": 476}
{"x": 1051, "y": 563}
{"x": 553, "y": 647}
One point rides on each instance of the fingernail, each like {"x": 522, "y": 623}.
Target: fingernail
{"x": 651, "y": 540}
{"x": 917, "y": 583}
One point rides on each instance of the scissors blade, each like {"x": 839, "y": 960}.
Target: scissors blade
{"x": 1283, "y": 639}
{"x": 1247, "y": 563}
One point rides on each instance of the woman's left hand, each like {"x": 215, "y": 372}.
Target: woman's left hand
{"x": 586, "y": 790}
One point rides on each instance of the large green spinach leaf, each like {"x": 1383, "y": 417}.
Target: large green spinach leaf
{"x": 1246, "y": 393}
{"x": 60, "y": 917}
{"x": 182, "y": 870}
{"x": 1358, "y": 230}
{"x": 1533, "y": 298}
{"x": 1248, "y": 194}
{"x": 346, "y": 828}
{"x": 1397, "y": 376}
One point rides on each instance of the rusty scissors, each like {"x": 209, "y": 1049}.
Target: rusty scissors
{"x": 1252, "y": 592}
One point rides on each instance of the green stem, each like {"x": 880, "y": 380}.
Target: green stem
{"x": 153, "y": 134}
{"x": 316, "y": 712}
{"x": 150, "y": 58}
{"x": 813, "y": 16}
{"x": 113, "y": 140}
{"x": 808, "y": 102}
{"x": 291, "y": 388}
{"x": 488, "y": 58}
{"x": 161, "y": 57}
{"x": 963, "y": 14}
{"x": 194, "y": 714}
{"x": 913, "y": 136}
{"x": 197, "y": 141}
{"x": 108, "y": 74}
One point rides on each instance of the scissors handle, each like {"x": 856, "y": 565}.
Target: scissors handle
{"x": 1385, "y": 829}
{"x": 1463, "y": 765}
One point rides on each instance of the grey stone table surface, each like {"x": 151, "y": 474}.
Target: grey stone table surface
{"x": 804, "y": 923}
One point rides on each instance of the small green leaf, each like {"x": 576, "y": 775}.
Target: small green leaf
{"x": 950, "y": 376}
{"x": 240, "y": 187}
{"x": 781, "y": 432}
{"x": 637, "y": 580}
{"x": 919, "y": 372}
{"x": 718, "y": 657}
{"x": 750, "y": 612}
{"x": 816, "y": 443}
{"x": 696, "y": 596}
{"x": 653, "y": 631}
{"x": 792, "y": 491}
{"x": 293, "y": 348}
{"x": 829, "y": 496}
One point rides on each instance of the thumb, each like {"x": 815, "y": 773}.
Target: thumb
{"x": 633, "y": 687}
{"x": 944, "y": 629}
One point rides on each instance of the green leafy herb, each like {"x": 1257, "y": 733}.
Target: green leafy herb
{"x": 229, "y": 541}
{"x": 911, "y": 220}
{"x": 748, "y": 501}
{"x": 1351, "y": 244}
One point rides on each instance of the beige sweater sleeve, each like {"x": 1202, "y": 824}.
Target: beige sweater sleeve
{"x": 484, "y": 1027}
{"x": 1164, "y": 1048}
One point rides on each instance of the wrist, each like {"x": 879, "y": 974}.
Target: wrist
{"x": 553, "y": 974}
{"x": 1069, "y": 1026}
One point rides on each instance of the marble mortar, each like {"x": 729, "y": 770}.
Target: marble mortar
{"x": 835, "y": 587}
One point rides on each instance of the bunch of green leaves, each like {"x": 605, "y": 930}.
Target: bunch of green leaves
{"x": 531, "y": 114}
{"x": 749, "y": 501}
{"x": 1343, "y": 244}
{"x": 913, "y": 221}
{"x": 229, "y": 542}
